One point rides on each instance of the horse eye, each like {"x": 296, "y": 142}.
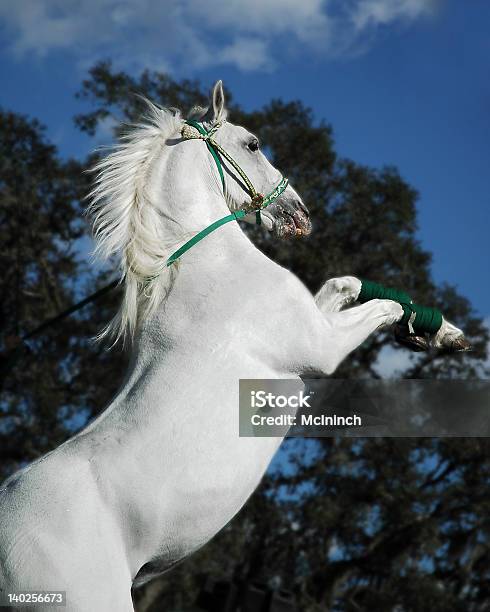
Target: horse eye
{"x": 253, "y": 145}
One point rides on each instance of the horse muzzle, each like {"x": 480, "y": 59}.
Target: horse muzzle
{"x": 290, "y": 219}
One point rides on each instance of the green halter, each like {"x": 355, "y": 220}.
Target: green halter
{"x": 193, "y": 129}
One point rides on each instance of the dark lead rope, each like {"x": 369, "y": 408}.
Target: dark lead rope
{"x": 66, "y": 313}
{"x": 8, "y": 360}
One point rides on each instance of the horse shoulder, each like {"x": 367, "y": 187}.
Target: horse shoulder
{"x": 51, "y": 494}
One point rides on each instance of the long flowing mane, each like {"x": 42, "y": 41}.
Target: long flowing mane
{"x": 127, "y": 224}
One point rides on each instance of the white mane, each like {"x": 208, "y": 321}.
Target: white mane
{"x": 127, "y": 224}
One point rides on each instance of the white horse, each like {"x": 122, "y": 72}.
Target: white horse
{"x": 163, "y": 468}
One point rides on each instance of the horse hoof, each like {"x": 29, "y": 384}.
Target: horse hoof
{"x": 411, "y": 341}
{"x": 460, "y": 345}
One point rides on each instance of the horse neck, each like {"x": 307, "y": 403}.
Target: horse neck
{"x": 190, "y": 201}
{"x": 186, "y": 188}
{"x": 204, "y": 283}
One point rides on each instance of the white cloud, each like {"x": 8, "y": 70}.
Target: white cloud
{"x": 303, "y": 19}
{"x": 248, "y": 34}
{"x": 247, "y": 54}
{"x": 382, "y": 12}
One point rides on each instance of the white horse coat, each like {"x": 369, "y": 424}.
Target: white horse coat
{"x": 163, "y": 468}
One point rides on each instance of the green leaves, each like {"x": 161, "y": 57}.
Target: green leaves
{"x": 45, "y": 395}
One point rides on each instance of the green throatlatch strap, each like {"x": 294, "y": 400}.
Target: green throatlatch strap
{"x": 238, "y": 214}
{"x": 420, "y": 319}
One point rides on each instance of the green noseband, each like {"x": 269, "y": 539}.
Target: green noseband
{"x": 193, "y": 129}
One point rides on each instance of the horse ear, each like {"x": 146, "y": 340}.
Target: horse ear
{"x": 219, "y": 102}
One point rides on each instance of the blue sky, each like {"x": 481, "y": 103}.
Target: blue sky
{"x": 403, "y": 82}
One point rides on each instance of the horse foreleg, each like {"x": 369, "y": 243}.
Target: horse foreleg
{"x": 339, "y": 333}
{"x": 337, "y": 293}
{"x": 347, "y": 329}
{"x": 350, "y": 328}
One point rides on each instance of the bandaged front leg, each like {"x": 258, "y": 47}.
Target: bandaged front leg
{"x": 417, "y": 321}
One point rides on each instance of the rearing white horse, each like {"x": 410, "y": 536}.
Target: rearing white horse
{"x": 163, "y": 468}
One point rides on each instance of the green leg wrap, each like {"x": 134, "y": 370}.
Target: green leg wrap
{"x": 420, "y": 319}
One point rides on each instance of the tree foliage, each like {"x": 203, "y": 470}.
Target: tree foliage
{"x": 53, "y": 385}
{"x": 370, "y": 524}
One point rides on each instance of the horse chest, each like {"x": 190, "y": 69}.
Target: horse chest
{"x": 202, "y": 500}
